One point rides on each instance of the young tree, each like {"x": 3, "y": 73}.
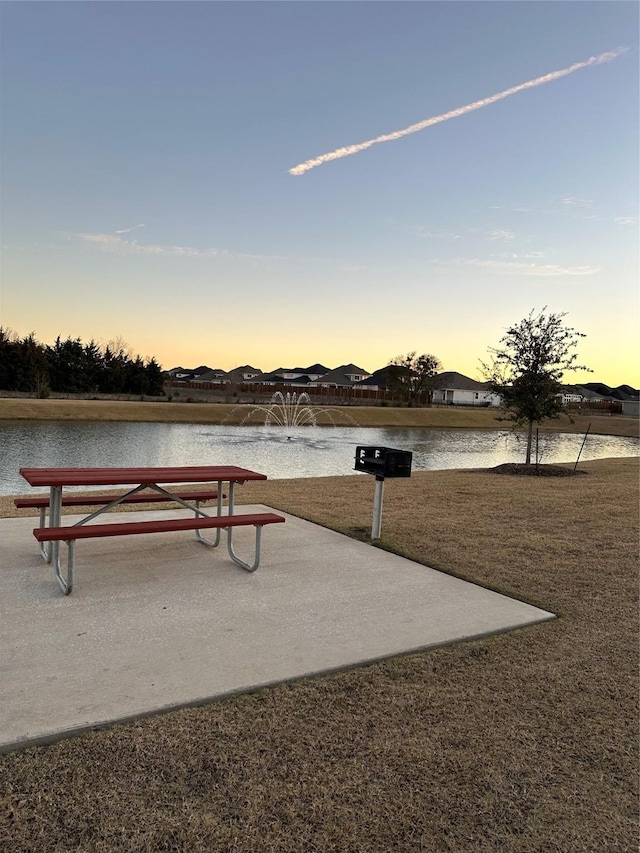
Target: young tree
{"x": 412, "y": 376}
{"x": 527, "y": 368}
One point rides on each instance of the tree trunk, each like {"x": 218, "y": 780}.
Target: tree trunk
{"x": 529, "y": 443}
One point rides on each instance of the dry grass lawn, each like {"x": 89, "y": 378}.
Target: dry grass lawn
{"x": 523, "y": 742}
{"x": 216, "y": 413}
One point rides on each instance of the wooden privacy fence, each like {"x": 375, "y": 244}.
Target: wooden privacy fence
{"x": 613, "y": 407}
{"x": 318, "y": 394}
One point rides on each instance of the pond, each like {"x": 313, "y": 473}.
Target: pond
{"x": 309, "y": 452}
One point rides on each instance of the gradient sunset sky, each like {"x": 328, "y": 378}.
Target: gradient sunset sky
{"x": 148, "y": 191}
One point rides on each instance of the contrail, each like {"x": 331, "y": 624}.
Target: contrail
{"x": 460, "y": 111}
{"x": 127, "y": 230}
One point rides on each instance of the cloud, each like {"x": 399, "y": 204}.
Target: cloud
{"x": 436, "y": 233}
{"x": 569, "y": 207}
{"x": 115, "y": 244}
{"x": 501, "y": 234}
{"x": 127, "y": 230}
{"x": 540, "y": 270}
{"x": 609, "y": 56}
{"x": 576, "y": 201}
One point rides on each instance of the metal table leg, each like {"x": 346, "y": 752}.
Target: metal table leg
{"x": 55, "y": 511}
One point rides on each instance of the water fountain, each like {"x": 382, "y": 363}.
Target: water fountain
{"x": 293, "y": 410}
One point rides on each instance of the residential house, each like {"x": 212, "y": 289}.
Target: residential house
{"x": 186, "y": 375}
{"x": 455, "y": 389}
{"x": 378, "y": 381}
{"x": 624, "y": 398}
{"x": 570, "y": 394}
{"x": 589, "y": 396}
{"x": 245, "y": 373}
{"x": 299, "y": 376}
{"x": 621, "y": 393}
{"x": 216, "y": 374}
{"x": 315, "y": 371}
{"x": 345, "y": 376}
{"x": 179, "y": 373}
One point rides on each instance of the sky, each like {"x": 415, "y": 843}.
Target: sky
{"x": 191, "y": 178}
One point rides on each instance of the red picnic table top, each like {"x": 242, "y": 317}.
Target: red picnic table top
{"x": 138, "y": 476}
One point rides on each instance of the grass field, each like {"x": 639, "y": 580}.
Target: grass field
{"x": 527, "y": 741}
{"x": 447, "y": 417}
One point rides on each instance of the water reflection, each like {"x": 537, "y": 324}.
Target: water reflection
{"x": 309, "y": 452}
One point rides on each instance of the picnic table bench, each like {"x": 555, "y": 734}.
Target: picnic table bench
{"x": 41, "y": 502}
{"x": 141, "y": 479}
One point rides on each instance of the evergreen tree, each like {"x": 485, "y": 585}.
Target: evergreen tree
{"x": 155, "y": 378}
{"x": 9, "y": 359}
{"x": 72, "y": 367}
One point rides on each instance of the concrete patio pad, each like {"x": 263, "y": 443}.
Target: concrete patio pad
{"x": 159, "y": 621}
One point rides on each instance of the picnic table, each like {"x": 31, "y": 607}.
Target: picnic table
{"x": 145, "y": 485}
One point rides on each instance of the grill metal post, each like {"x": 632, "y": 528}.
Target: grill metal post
{"x": 377, "y": 509}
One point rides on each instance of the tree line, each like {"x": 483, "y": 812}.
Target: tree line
{"x": 73, "y": 367}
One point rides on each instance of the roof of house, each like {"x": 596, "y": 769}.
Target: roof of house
{"x": 379, "y": 377}
{"x": 302, "y": 374}
{"x": 452, "y": 380}
{"x": 622, "y": 392}
{"x": 239, "y": 372}
{"x": 195, "y": 373}
{"x": 341, "y": 375}
{"x": 212, "y": 375}
{"x": 353, "y": 368}
{"x": 588, "y": 393}
{"x": 271, "y": 376}
{"x": 278, "y": 376}
{"x": 315, "y": 368}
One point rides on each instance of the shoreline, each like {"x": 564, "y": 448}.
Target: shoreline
{"x": 445, "y": 417}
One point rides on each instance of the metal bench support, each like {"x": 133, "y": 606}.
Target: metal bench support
{"x": 69, "y": 535}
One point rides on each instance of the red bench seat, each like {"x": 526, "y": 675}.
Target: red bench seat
{"x": 42, "y": 501}
{"x": 131, "y": 528}
{"x": 71, "y": 533}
